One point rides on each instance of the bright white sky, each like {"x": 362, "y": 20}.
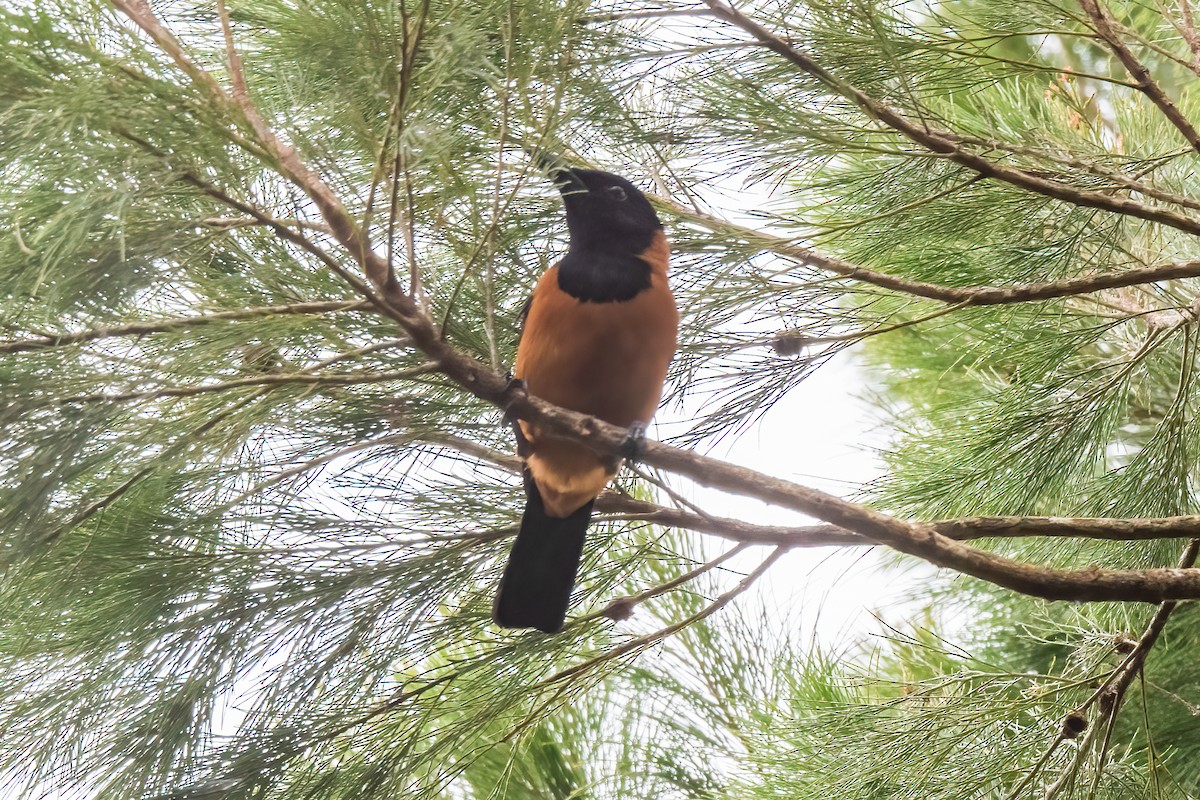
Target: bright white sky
{"x": 823, "y": 435}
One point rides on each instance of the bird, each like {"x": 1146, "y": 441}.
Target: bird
{"x": 599, "y": 333}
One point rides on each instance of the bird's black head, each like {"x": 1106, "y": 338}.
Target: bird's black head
{"x": 605, "y": 212}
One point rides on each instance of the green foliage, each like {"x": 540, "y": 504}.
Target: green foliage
{"x": 248, "y": 544}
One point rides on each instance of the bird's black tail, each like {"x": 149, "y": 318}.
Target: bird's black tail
{"x": 540, "y": 574}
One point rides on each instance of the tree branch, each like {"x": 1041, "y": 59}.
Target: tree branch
{"x": 1144, "y": 82}
{"x": 923, "y": 541}
{"x": 944, "y": 144}
{"x": 618, "y": 506}
{"x": 1187, "y": 29}
{"x": 961, "y": 296}
{"x": 1091, "y": 168}
{"x": 348, "y": 379}
{"x": 1112, "y": 690}
{"x": 177, "y": 323}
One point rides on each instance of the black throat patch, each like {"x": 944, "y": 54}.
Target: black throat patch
{"x": 602, "y": 277}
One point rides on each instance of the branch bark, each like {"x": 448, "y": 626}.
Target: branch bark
{"x": 615, "y": 505}
{"x": 1187, "y": 29}
{"x": 965, "y": 529}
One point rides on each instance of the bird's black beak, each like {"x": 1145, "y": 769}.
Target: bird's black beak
{"x": 558, "y": 171}
{"x": 567, "y": 181}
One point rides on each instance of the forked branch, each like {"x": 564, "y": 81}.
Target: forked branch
{"x": 947, "y": 144}
{"x": 920, "y": 540}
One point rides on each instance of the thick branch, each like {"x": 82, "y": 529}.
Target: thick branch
{"x": 619, "y": 506}
{"x": 923, "y": 541}
{"x": 944, "y": 144}
{"x": 140, "y": 13}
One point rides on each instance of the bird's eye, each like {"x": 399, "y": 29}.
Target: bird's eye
{"x": 616, "y": 192}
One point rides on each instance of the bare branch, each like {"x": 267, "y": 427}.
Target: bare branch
{"x": 965, "y": 529}
{"x": 923, "y": 541}
{"x": 1187, "y": 29}
{"x": 287, "y": 160}
{"x": 1144, "y": 82}
{"x": 231, "y": 223}
{"x": 617, "y": 506}
{"x": 140, "y": 13}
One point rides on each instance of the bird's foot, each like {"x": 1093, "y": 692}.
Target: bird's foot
{"x": 514, "y": 391}
{"x": 635, "y": 439}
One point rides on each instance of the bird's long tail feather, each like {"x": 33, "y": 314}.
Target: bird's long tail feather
{"x": 540, "y": 574}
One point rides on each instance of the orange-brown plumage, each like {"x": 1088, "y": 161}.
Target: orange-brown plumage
{"x": 608, "y": 360}
{"x": 598, "y": 338}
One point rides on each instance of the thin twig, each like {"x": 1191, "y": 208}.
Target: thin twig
{"x": 966, "y": 295}
{"x": 349, "y": 379}
{"x": 634, "y": 15}
{"x": 1111, "y": 692}
{"x": 230, "y": 223}
{"x": 641, "y": 642}
{"x": 679, "y": 500}
{"x": 1072, "y": 770}
{"x": 792, "y": 342}
{"x": 622, "y": 607}
{"x": 411, "y": 43}
{"x": 48, "y": 340}
{"x": 24, "y": 248}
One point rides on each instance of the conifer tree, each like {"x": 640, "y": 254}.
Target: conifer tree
{"x": 261, "y": 265}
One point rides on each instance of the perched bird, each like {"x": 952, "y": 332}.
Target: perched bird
{"x": 599, "y": 334}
